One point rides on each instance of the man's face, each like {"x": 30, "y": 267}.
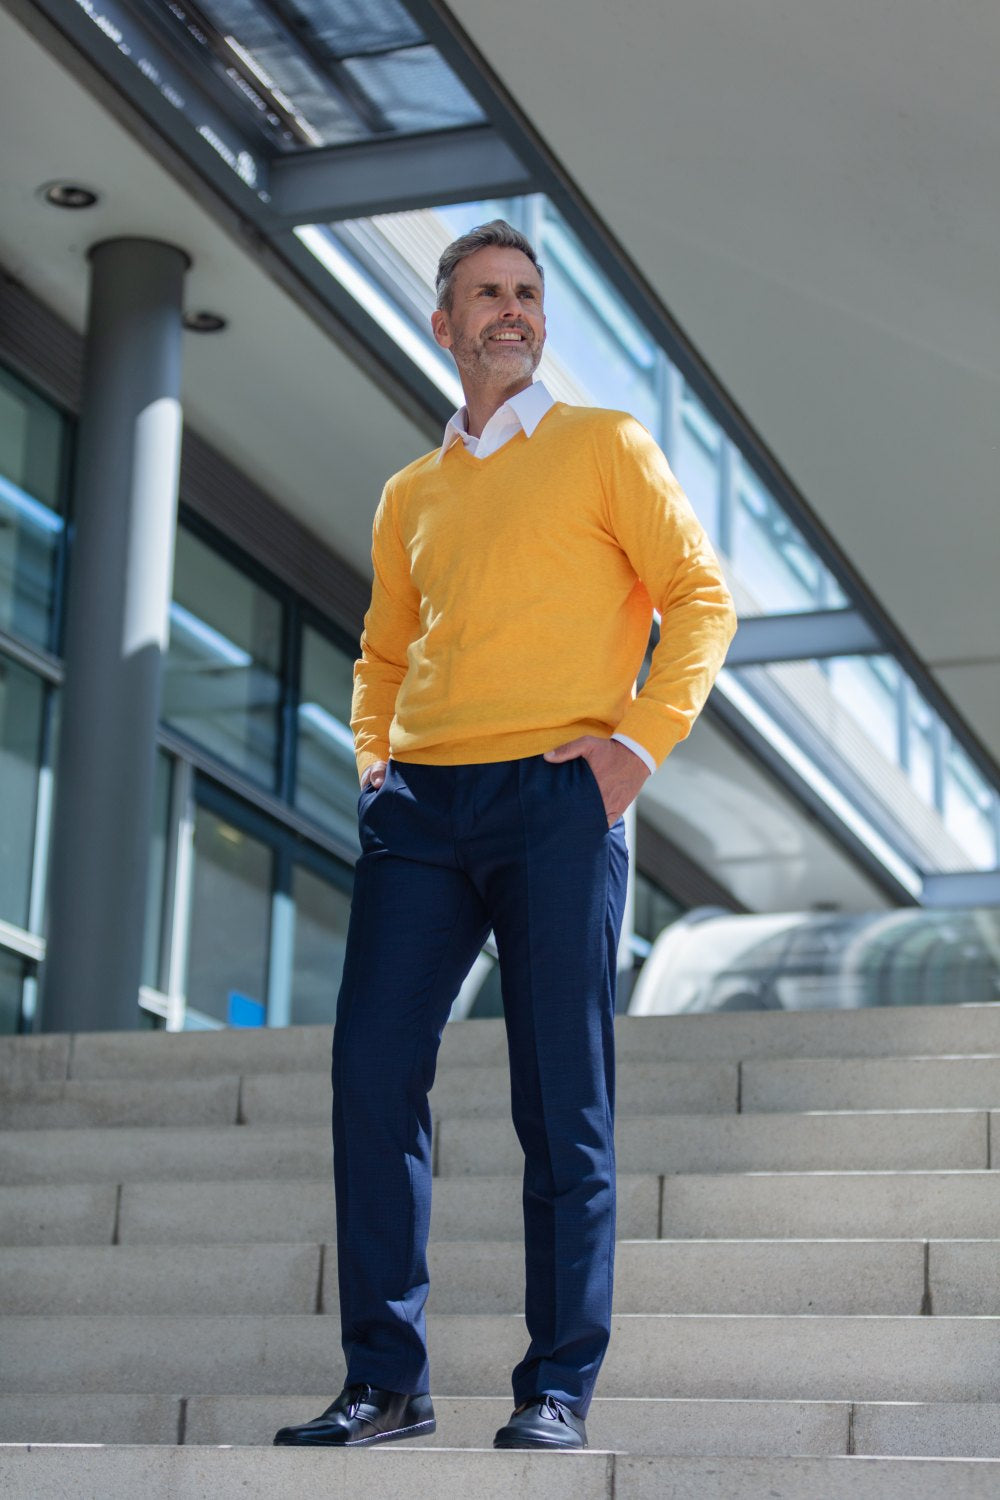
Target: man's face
{"x": 496, "y": 327}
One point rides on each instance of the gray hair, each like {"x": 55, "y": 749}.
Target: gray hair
{"x": 497, "y": 232}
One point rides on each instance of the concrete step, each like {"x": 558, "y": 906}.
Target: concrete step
{"x": 71, "y": 1214}
{"x": 122, "y": 1101}
{"x": 256, "y": 1212}
{"x": 832, "y": 1205}
{"x": 304, "y": 1098}
{"x": 753, "y": 1206}
{"x": 157, "y": 1152}
{"x": 904, "y": 1141}
{"x": 900, "y": 1142}
{"x": 765, "y": 1358}
{"x": 159, "y": 1473}
{"x": 642, "y": 1088}
{"x": 898, "y": 1031}
{"x": 871, "y": 1083}
{"x": 635, "y": 1426}
{"x": 652, "y": 1276}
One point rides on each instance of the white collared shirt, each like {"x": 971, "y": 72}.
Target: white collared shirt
{"x": 522, "y": 412}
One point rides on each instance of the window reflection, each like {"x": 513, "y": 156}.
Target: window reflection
{"x": 326, "y": 777}
{"x": 22, "y": 701}
{"x": 230, "y": 921}
{"x": 321, "y": 915}
{"x": 222, "y": 684}
{"x": 32, "y": 456}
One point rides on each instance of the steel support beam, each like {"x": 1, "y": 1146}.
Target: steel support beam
{"x": 962, "y": 888}
{"x": 125, "y": 510}
{"x": 801, "y": 637}
{"x": 378, "y": 177}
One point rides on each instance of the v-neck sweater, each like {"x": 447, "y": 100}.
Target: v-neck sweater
{"x": 513, "y": 597}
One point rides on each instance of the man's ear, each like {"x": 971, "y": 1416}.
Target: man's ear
{"x": 440, "y": 329}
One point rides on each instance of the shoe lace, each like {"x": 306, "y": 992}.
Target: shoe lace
{"x": 356, "y": 1394}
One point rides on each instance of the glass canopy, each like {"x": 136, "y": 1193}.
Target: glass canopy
{"x": 311, "y": 73}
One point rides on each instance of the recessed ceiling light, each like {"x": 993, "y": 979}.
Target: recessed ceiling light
{"x": 68, "y": 195}
{"x": 204, "y": 322}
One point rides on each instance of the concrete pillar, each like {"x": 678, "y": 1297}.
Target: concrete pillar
{"x": 121, "y": 566}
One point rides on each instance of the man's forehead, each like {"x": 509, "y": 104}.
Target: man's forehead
{"x": 495, "y": 263}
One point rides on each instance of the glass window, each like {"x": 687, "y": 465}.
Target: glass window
{"x": 863, "y": 723}
{"x": 775, "y": 566}
{"x": 327, "y": 777}
{"x": 696, "y": 463}
{"x": 230, "y": 923}
{"x": 321, "y": 916}
{"x": 970, "y": 808}
{"x": 11, "y": 984}
{"x": 222, "y": 684}
{"x": 32, "y": 459}
{"x": 155, "y": 887}
{"x": 654, "y": 909}
{"x": 22, "y": 702}
{"x": 335, "y": 71}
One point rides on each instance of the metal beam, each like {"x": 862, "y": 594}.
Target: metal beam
{"x": 378, "y": 177}
{"x": 962, "y": 888}
{"x": 801, "y": 637}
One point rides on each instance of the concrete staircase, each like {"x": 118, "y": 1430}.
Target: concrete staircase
{"x": 808, "y": 1286}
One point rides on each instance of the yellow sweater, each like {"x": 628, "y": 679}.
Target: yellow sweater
{"x": 513, "y": 596}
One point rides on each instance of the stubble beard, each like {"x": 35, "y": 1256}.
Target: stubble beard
{"x": 481, "y": 364}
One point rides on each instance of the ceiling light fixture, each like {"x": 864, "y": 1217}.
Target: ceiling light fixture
{"x": 204, "y": 322}
{"x": 68, "y": 195}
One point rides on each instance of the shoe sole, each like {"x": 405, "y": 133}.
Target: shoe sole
{"x": 419, "y": 1429}
{"x": 521, "y": 1443}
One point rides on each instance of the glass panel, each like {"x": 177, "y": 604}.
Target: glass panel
{"x": 22, "y": 701}
{"x": 414, "y": 90}
{"x": 327, "y": 776}
{"x": 152, "y": 945}
{"x": 321, "y": 917}
{"x": 850, "y": 716}
{"x": 696, "y": 462}
{"x": 230, "y": 921}
{"x": 328, "y": 73}
{"x": 970, "y": 809}
{"x": 32, "y": 439}
{"x": 654, "y": 909}
{"x": 349, "y": 27}
{"x": 777, "y": 569}
{"x": 807, "y": 961}
{"x": 11, "y": 983}
{"x": 222, "y": 681}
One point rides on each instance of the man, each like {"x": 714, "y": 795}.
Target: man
{"x": 499, "y": 743}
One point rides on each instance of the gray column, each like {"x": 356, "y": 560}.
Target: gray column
{"x": 121, "y": 565}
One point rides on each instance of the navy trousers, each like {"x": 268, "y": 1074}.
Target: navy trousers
{"x": 449, "y": 852}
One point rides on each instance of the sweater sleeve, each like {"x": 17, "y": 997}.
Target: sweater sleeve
{"x": 391, "y": 624}
{"x": 657, "y": 529}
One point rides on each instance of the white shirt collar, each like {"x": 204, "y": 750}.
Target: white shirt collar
{"x": 525, "y": 410}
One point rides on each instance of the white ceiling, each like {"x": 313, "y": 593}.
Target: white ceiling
{"x": 717, "y": 154}
{"x": 814, "y": 192}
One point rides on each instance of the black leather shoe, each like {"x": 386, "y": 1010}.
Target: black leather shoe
{"x": 360, "y": 1416}
{"x": 542, "y": 1422}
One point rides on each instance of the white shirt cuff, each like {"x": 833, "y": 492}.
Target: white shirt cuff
{"x": 637, "y": 749}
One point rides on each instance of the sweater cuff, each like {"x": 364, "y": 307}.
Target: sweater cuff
{"x": 637, "y": 749}
{"x": 366, "y": 758}
{"x": 655, "y": 727}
